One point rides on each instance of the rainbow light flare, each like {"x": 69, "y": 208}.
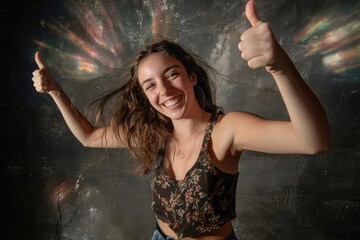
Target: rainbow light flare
{"x": 95, "y": 43}
{"x": 336, "y": 37}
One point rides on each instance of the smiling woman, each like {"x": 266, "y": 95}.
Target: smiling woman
{"x": 165, "y": 114}
{"x": 168, "y": 86}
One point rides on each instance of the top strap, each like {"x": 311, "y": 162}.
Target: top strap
{"x": 211, "y": 124}
{"x": 210, "y": 127}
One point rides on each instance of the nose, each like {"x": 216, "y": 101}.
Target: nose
{"x": 165, "y": 88}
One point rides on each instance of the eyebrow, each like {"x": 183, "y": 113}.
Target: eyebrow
{"x": 165, "y": 70}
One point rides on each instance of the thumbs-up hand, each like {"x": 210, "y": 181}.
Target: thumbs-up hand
{"x": 258, "y": 45}
{"x": 43, "y": 81}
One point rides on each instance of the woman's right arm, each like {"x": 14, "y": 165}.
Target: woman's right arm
{"x": 83, "y": 130}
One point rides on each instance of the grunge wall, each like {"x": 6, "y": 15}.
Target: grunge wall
{"x": 54, "y": 188}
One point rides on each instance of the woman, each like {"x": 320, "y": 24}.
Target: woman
{"x": 165, "y": 115}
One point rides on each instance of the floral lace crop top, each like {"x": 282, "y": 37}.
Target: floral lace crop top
{"x": 200, "y": 203}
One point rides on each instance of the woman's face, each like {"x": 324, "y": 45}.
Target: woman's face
{"x": 167, "y": 85}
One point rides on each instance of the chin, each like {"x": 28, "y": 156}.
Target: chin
{"x": 175, "y": 114}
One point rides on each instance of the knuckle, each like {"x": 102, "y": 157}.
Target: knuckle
{"x": 243, "y": 36}
{"x": 244, "y": 55}
{"x": 240, "y": 46}
{"x": 251, "y": 64}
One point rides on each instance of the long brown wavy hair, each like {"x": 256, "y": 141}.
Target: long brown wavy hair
{"x": 146, "y": 129}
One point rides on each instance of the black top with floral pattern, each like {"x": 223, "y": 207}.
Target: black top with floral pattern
{"x": 200, "y": 203}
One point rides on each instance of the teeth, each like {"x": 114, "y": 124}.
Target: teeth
{"x": 171, "y": 103}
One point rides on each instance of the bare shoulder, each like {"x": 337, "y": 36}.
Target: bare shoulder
{"x": 233, "y": 129}
{"x": 229, "y": 124}
{"x": 224, "y": 150}
{"x": 233, "y": 120}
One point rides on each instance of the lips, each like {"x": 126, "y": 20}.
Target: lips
{"x": 172, "y": 102}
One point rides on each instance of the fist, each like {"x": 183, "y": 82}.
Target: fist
{"x": 257, "y": 44}
{"x": 43, "y": 81}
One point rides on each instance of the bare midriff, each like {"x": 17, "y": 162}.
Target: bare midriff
{"x": 218, "y": 234}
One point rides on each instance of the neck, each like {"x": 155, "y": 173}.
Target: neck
{"x": 185, "y": 128}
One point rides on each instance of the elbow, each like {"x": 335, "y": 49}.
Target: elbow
{"x": 87, "y": 144}
{"x": 91, "y": 145}
{"x": 319, "y": 147}
{"x": 326, "y": 146}
{"x": 320, "y": 143}
{"x": 317, "y": 150}
{"x": 325, "y": 143}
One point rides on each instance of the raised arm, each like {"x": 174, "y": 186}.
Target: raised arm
{"x": 308, "y": 129}
{"x": 88, "y": 135}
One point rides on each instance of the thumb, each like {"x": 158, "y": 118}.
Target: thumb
{"x": 39, "y": 61}
{"x": 250, "y": 12}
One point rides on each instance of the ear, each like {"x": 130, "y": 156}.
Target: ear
{"x": 193, "y": 78}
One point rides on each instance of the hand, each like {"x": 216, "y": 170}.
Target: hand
{"x": 43, "y": 81}
{"x": 258, "y": 45}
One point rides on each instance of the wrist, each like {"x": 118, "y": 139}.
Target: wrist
{"x": 55, "y": 92}
{"x": 283, "y": 66}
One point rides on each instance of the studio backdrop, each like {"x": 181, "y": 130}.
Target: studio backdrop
{"x": 54, "y": 188}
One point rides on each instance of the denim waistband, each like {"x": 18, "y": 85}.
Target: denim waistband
{"x": 158, "y": 228}
{"x": 165, "y": 237}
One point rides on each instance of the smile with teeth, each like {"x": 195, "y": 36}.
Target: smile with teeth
{"x": 172, "y": 102}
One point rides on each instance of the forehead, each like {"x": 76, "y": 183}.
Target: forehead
{"x": 156, "y": 63}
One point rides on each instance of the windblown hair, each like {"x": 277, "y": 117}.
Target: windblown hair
{"x": 145, "y": 129}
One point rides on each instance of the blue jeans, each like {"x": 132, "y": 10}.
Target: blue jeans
{"x": 157, "y": 236}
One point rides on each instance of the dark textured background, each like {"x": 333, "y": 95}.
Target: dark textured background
{"x": 53, "y": 188}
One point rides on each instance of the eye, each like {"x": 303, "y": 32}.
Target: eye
{"x": 150, "y": 86}
{"x": 172, "y": 75}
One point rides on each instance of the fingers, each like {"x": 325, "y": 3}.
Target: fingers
{"x": 259, "y": 61}
{"x": 251, "y": 14}
{"x": 40, "y": 81}
{"x": 257, "y": 44}
{"x": 43, "y": 81}
{"x": 256, "y": 55}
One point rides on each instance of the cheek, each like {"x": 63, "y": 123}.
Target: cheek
{"x": 152, "y": 99}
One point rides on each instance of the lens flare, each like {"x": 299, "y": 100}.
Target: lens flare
{"x": 99, "y": 36}
{"x": 335, "y": 36}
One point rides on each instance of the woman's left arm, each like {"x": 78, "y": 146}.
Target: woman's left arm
{"x": 309, "y": 127}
